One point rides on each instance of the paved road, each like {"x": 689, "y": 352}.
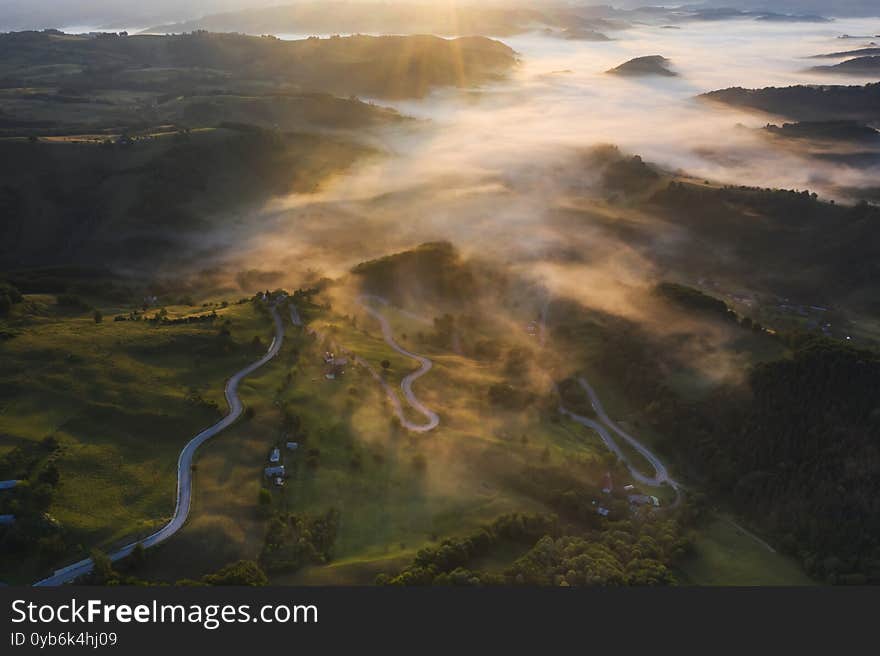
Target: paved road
{"x": 184, "y": 468}
{"x": 612, "y": 445}
{"x": 295, "y": 319}
{"x": 661, "y": 473}
{"x": 432, "y": 420}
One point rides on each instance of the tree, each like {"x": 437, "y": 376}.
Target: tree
{"x": 264, "y": 498}
{"x": 102, "y": 568}
{"x": 138, "y": 555}
{"x": 385, "y": 364}
{"x": 50, "y": 475}
{"x": 98, "y": 316}
{"x": 243, "y": 572}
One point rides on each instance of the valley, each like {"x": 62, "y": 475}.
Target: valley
{"x": 501, "y": 297}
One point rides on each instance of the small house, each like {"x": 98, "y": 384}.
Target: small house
{"x": 644, "y": 500}
{"x": 335, "y": 367}
{"x": 603, "y": 511}
{"x": 8, "y": 485}
{"x": 292, "y": 446}
{"x": 277, "y": 470}
{"x": 7, "y": 520}
{"x": 276, "y": 455}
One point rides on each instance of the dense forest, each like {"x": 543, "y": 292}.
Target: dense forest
{"x": 635, "y": 552}
{"x": 430, "y": 272}
{"x": 127, "y": 203}
{"x": 801, "y": 245}
{"x": 846, "y": 131}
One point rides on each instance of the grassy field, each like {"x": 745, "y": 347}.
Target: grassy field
{"x": 122, "y": 397}
{"x": 116, "y": 395}
{"x": 397, "y": 492}
{"x": 367, "y": 466}
{"x": 725, "y": 555}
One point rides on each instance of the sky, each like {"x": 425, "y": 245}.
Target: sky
{"x": 131, "y": 14}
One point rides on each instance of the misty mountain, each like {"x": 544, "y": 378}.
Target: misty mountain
{"x": 310, "y": 17}
{"x": 860, "y": 52}
{"x": 843, "y": 131}
{"x": 581, "y": 21}
{"x": 649, "y": 65}
{"x": 40, "y": 14}
{"x": 856, "y": 66}
{"x": 391, "y": 66}
{"x": 840, "y": 8}
{"x": 807, "y": 103}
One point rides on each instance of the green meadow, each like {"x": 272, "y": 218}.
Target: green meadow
{"x": 396, "y": 491}
{"x": 122, "y": 398}
{"x": 723, "y": 554}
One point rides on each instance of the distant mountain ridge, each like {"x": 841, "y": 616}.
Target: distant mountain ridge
{"x": 807, "y": 103}
{"x": 396, "y": 18}
{"x": 849, "y": 53}
{"x": 856, "y": 66}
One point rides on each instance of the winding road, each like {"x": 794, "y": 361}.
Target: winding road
{"x": 606, "y": 424}
{"x": 602, "y": 427}
{"x": 661, "y": 473}
{"x": 431, "y": 417}
{"x": 184, "y": 465}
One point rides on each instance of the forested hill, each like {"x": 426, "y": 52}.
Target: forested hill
{"x": 799, "y": 454}
{"x": 431, "y": 272}
{"x": 807, "y": 103}
{"x": 386, "y": 66}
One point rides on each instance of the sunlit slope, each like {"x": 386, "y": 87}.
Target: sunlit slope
{"x": 387, "y": 66}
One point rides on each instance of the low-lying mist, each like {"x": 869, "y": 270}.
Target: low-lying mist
{"x": 501, "y": 171}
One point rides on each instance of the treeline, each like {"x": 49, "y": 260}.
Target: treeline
{"x": 71, "y": 284}
{"x": 125, "y": 572}
{"x": 9, "y": 296}
{"x": 622, "y": 553}
{"x": 434, "y": 565}
{"x": 626, "y": 553}
{"x": 807, "y": 102}
{"x": 694, "y": 299}
{"x": 433, "y": 272}
{"x": 33, "y": 531}
{"x": 295, "y": 540}
{"x": 620, "y": 173}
